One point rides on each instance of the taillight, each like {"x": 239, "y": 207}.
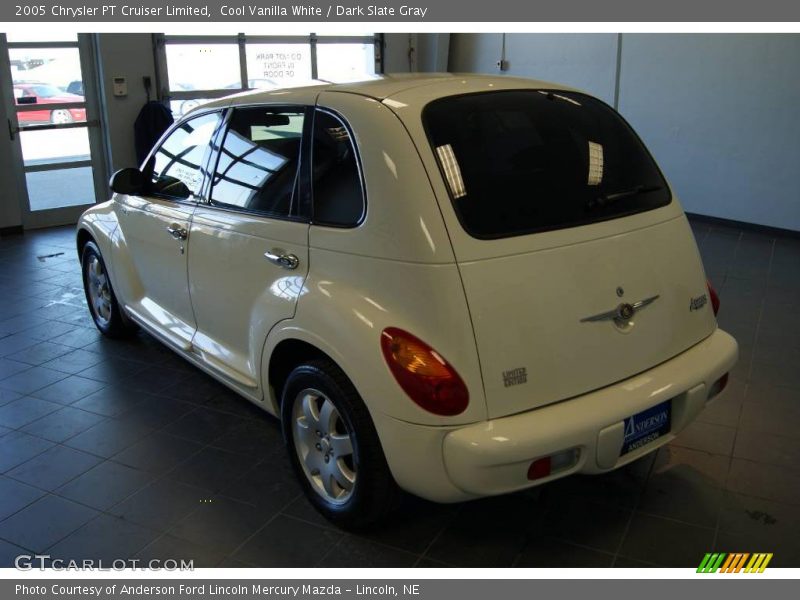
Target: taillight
{"x": 712, "y": 294}
{"x": 424, "y": 375}
{"x": 539, "y": 468}
{"x": 548, "y": 465}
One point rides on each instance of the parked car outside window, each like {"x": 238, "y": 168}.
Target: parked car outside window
{"x": 36, "y": 94}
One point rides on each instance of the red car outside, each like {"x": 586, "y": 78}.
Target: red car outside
{"x": 34, "y": 94}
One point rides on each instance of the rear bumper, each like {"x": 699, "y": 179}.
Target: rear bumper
{"x": 492, "y": 457}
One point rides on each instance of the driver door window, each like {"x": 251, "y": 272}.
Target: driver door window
{"x": 177, "y": 168}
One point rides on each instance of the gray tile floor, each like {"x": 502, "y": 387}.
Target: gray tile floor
{"x": 120, "y": 449}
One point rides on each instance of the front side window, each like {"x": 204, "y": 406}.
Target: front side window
{"x": 259, "y": 161}
{"x": 177, "y": 168}
{"x": 338, "y": 194}
{"x": 518, "y": 162}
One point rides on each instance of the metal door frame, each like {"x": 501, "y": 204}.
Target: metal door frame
{"x": 97, "y": 151}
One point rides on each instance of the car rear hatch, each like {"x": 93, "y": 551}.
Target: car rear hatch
{"x": 579, "y": 268}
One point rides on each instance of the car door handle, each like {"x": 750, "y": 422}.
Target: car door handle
{"x": 287, "y": 261}
{"x": 178, "y": 232}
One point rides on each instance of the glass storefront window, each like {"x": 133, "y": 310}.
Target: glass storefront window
{"x": 58, "y": 145}
{"x": 203, "y": 66}
{"x": 183, "y": 106}
{"x": 277, "y": 65}
{"x": 212, "y": 64}
{"x": 340, "y": 63}
{"x": 59, "y": 188}
{"x": 47, "y": 75}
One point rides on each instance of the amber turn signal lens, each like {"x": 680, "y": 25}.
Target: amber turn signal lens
{"x": 425, "y": 376}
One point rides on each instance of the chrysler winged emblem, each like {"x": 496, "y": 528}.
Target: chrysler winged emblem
{"x": 623, "y": 312}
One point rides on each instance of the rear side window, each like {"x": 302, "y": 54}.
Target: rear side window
{"x": 519, "y": 162}
{"x": 259, "y": 161}
{"x": 338, "y": 194}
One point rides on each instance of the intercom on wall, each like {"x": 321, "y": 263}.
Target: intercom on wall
{"x": 120, "y": 86}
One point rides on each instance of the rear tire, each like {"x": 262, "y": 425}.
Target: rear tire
{"x": 334, "y": 447}
{"x": 103, "y": 304}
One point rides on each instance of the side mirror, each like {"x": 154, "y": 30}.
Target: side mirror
{"x": 130, "y": 182}
{"x": 27, "y": 100}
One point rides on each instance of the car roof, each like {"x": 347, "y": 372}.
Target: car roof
{"x": 381, "y": 88}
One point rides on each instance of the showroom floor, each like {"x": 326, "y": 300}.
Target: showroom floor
{"x": 120, "y": 449}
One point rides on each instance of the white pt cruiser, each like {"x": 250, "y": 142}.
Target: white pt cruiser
{"x": 457, "y": 286}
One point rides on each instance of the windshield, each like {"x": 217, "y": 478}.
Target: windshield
{"x": 48, "y": 91}
{"x": 518, "y": 162}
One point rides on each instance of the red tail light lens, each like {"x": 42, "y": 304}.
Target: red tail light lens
{"x": 424, "y": 375}
{"x": 539, "y": 468}
{"x": 712, "y": 294}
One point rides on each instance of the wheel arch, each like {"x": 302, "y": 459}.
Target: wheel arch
{"x": 83, "y": 236}
{"x": 99, "y": 225}
{"x": 281, "y": 357}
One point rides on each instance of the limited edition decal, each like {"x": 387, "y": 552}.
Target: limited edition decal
{"x": 515, "y": 376}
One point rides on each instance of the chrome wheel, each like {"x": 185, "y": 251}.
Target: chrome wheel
{"x": 324, "y": 446}
{"x": 99, "y": 290}
{"x": 61, "y": 116}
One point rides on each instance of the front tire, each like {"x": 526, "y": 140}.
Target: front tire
{"x": 103, "y": 304}
{"x": 334, "y": 448}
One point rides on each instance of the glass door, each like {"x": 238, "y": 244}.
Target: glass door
{"x": 51, "y": 98}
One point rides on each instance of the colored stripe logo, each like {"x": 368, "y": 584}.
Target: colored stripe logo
{"x": 737, "y": 562}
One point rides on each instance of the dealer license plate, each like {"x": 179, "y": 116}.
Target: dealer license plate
{"x": 646, "y": 426}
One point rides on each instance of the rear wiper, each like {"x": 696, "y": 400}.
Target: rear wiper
{"x": 606, "y": 199}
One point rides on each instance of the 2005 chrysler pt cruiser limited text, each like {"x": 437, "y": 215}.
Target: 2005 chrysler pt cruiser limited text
{"x": 456, "y": 286}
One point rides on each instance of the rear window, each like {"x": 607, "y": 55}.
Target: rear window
{"x": 519, "y": 162}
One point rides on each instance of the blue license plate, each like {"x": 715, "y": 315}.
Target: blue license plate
{"x": 646, "y": 426}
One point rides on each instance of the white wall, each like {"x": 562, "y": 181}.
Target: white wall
{"x": 395, "y": 52}
{"x": 584, "y": 61}
{"x": 430, "y": 52}
{"x": 718, "y": 111}
{"x": 721, "y": 114}
{"x": 129, "y": 55}
{"x": 433, "y": 50}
